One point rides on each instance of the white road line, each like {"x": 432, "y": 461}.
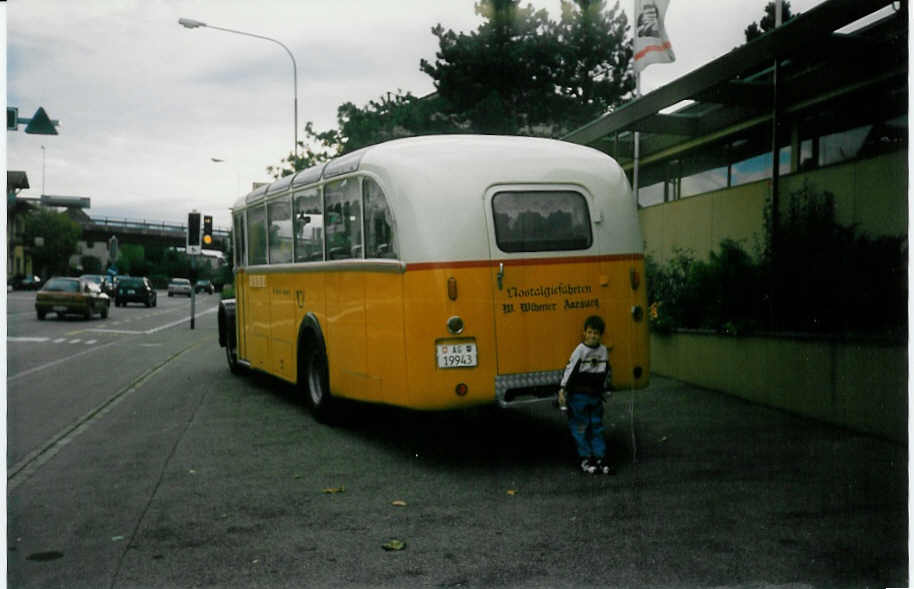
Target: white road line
{"x": 75, "y": 341}
{"x": 60, "y": 339}
{"x": 91, "y": 341}
{"x": 59, "y": 361}
{"x": 27, "y": 339}
{"x": 103, "y": 346}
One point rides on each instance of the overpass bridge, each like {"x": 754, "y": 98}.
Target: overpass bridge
{"x": 143, "y": 232}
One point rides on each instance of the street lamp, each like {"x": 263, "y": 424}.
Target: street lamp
{"x": 193, "y": 24}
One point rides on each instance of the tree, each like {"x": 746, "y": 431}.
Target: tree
{"x": 521, "y": 73}
{"x": 518, "y": 73}
{"x": 328, "y": 146}
{"x": 57, "y": 235}
{"x": 596, "y": 58}
{"x": 767, "y": 23}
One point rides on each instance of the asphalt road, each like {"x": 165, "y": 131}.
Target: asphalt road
{"x": 181, "y": 475}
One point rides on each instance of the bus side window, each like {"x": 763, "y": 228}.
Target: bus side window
{"x": 280, "y": 218}
{"x": 257, "y": 235}
{"x": 379, "y": 223}
{"x": 239, "y": 239}
{"x": 344, "y": 219}
{"x": 308, "y": 226}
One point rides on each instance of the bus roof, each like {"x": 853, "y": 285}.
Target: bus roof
{"x": 431, "y": 182}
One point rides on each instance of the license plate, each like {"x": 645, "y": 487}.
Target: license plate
{"x": 59, "y": 308}
{"x": 131, "y": 291}
{"x": 456, "y": 354}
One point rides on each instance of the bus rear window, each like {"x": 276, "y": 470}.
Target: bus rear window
{"x": 536, "y": 221}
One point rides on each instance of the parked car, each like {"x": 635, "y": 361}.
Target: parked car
{"x": 20, "y": 282}
{"x": 179, "y": 286}
{"x": 102, "y": 281}
{"x": 135, "y": 289}
{"x": 204, "y": 286}
{"x": 77, "y": 296}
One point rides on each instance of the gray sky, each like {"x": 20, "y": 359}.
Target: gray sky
{"x": 144, "y": 104}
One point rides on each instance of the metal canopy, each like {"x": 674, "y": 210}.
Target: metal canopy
{"x": 817, "y": 64}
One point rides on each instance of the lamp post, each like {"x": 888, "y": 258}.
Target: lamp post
{"x": 193, "y": 24}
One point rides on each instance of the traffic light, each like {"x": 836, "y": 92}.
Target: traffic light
{"x": 207, "y": 230}
{"x": 193, "y": 232}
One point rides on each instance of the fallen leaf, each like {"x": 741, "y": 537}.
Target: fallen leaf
{"x": 334, "y": 490}
{"x": 512, "y": 491}
{"x": 399, "y": 503}
{"x": 394, "y": 544}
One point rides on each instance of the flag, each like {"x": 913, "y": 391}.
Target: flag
{"x": 651, "y": 43}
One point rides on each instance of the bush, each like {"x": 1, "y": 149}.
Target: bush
{"x": 813, "y": 276}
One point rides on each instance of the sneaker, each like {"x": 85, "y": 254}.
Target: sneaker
{"x": 588, "y": 466}
{"x": 601, "y": 467}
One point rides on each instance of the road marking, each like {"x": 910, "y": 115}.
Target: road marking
{"x": 35, "y": 459}
{"x": 60, "y": 339}
{"x": 155, "y": 329}
{"x": 75, "y": 341}
{"x": 101, "y": 347}
{"x": 91, "y": 341}
{"x": 28, "y": 339}
{"x": 59, "y": 361}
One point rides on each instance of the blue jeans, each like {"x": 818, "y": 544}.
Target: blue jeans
{"x": 585, "y": 420}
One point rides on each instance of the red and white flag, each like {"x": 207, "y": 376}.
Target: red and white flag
{"x": 651, "y": 43}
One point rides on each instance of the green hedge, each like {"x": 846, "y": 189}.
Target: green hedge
{"x": 811, "y": 274}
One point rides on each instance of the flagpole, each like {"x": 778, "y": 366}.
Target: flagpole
{"x": 637, "y": 96}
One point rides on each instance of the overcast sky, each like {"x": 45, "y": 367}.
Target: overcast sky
{"x": 145, "y": 104}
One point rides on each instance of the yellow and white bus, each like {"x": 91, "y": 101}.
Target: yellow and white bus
{"x": 437, "y": 272}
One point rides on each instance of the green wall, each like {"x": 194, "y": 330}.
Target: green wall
{"x": 861, "y": 385}
{"x": 871, "y": 193}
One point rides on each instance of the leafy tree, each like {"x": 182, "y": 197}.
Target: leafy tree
{"x": 595, "y": 54}
{"x": 765, "y": 25}
{"x": 90, "y": 264}
{"x": 58, "y": 235}
{"x": 518, "y": 73}
{"x": 318, "y": 148}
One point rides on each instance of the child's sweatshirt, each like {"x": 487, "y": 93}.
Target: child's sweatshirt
{"x": 587, "y": 371}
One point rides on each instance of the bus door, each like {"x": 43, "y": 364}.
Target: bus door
{"x": 545, "y": 277}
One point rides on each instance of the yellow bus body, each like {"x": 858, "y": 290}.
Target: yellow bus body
{"x": 383, "y": 320}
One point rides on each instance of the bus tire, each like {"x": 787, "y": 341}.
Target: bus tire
{"x": 231, "y": 356}
{"x": 317, "y": 384}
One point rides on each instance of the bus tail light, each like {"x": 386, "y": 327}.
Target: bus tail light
{"x": 452, "y": 288}
{"x": 462, "y": 390}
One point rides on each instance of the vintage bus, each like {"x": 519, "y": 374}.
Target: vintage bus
{"x": 437, "y": 272}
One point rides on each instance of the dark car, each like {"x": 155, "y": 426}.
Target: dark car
{"x": 77, "y": 296}
{"x": 26, "y": 282}
{"x": 102, "y": 281}
{"x": 204, "y": 286}
{"x": 134, "y": 289}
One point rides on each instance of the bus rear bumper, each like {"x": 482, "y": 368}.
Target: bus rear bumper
{"x": 528, "y": 387}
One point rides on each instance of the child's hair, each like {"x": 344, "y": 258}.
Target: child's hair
{"x": 596, "y": 323}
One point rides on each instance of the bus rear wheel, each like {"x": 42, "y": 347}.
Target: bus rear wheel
{"x": 231, "y": 356}
{"x": 318, "y": 387}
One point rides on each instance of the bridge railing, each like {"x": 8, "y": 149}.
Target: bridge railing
{"x": 113, "y": 223}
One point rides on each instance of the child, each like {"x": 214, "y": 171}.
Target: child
{"x": 585, "y": 379}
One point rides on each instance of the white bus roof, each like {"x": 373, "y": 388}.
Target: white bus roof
{"x": 435, "y": 183}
